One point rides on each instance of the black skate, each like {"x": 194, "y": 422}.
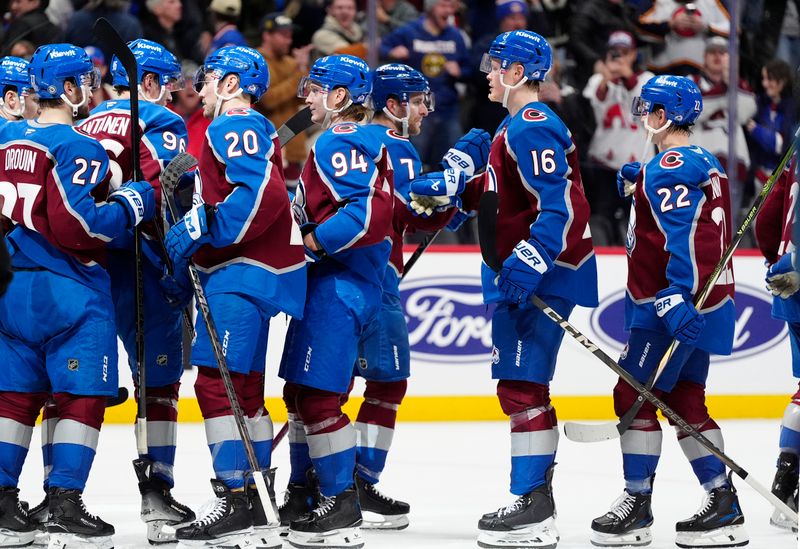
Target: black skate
{"x": 227, "y": 523}
{"x": 39, "y": 516}
{"x": 626, "y": 523}
{"x": 71, "y": 525}
{"x": 16, "y": 529}
{"x": 335, "y": 523}
{"x": 265, "y": 535}
{"x": 299, "y": 499}
{"x": 718, "y": 523}
{"x": 160, "y": 512}
{"x": 785, "y": 488}
{"x": 528, "y": 522}
{"x": 379, "y": 511}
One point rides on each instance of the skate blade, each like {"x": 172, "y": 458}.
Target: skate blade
{"x": 729, "y": 536}
{"x": 779, "y": 520}
{"x": 634, "y": 538}
{"x": 234, "y": 540}
{"x": 377, "y": 521}
{"x": 265, "y": 537}
{"x": 542, "y": 535}
{"x": 163, "y": 531}
{"x": 73, "y": 541}
{"x": 41, "y": 539}
{"x": 344, "y": 538}
{"x": 12, "y": 538}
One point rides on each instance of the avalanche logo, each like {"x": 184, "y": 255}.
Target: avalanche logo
{"x": 671, "y": 160}
{"x": 347, "y": 127}
{"x": 532, "y": 115}
{"x": 755, "y": 329}
{"x": 447, "y": 320}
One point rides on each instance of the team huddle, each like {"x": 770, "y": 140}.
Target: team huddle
{"x": 94, "y": 235}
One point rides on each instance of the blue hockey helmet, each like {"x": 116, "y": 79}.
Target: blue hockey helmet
{"x": 52, "y": 64}
{"x": 399, "y": 81}
{"x": 680, "y": 97}
{"x": 151, "y": 57}
{"x": 339, "y": 71}
{"x": 14, "y": 73}
{"x": 246, "y": 63}
{"x": 520, "y": 46}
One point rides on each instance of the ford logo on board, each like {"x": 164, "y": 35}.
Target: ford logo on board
{"x": 447, "y": 320}
{"x": 755, "y": 329}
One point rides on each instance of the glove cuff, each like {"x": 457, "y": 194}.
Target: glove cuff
{"x": 132, "y": 201}
{"x": 459, "y": 160}
{"x": 534, "y": 258}
{"x": 666, "y": 302}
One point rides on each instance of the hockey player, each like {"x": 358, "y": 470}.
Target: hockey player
{"x": 774, "y": 236}
{"x": 678, "y": 230}
{"x": 344, "y": 206}
{"x": 57, "y": 331}
{"x": 401, "y": 98}
{"x": 543, "y": 232}
{"x": 241, "y": 236}
{"x": 163, "y": 135}
{"x": 17, "y": 102}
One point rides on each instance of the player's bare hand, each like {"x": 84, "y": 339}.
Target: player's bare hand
{"x": 399, "y": 52}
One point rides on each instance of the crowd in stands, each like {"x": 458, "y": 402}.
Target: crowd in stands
{"x": 605, "y": 51}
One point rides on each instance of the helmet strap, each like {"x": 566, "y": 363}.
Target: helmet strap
{"x": 75, "y": 106}
{"x": 144, "y": 95}
{"x": 402, "y": 121}
{"x": 221, "y": 98}
{"x": 655, "y": 131}
{"x": 509, "y": 87}
{"x": 329, "y": 112}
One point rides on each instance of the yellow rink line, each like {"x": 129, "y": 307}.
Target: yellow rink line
{"x": 486, "y": 408}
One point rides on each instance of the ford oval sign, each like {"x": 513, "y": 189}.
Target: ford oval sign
{"x": 755, "y": 329}
{"x": 447, "y": 320}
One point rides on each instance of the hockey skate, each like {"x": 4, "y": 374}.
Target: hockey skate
{"x": 16, "y": 529}
{"x": 718, "y": 523}
{"x": 626, "y": 523}
{"x": 38, "y": 516}
{"x": 528, "y": 522}
{"x": 160, "y": 512}
{"x": 265, "y": 535}
{"x": 227, "y": 523}
{"x": 299, "y": 499}
{"x": 70, "y": 525}
{"x": 379, "y": 511}
{"x": 335, "y": 523}
{"x": 785, "y": 488}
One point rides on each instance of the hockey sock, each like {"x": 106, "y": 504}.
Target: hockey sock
{"x": 222, "y": 434}
{"x": 331, "y": 439}
{"x": 790, "y": 426}
{"x": 18, "y": 413}
{"x": 259, "y": 423}
{"x": 162, "y": 417}
{"x": 534, "y": 432}
{"x": 75, "y": 439}
{"x": 49, "y": 422}
{"x": 299, "y": 459}
{"x": 688, "y": 400}
{"x": 641, "y": 443}
{"x": 375, "y": 426}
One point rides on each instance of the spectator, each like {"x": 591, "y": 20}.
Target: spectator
{"x": 22, "y": 48}
{"x": 618, "y": 136}
{"x": 176, "y": 28}
{"x": 591, "y": 25}
{"x": 26, "y": 20}
{"x": 340, "y": 33}
{"x": 106, "y": 90}
{"x": 711, "y": 127}
{"x": 487, "y": 115}
{"x": 789, "y": 40}
{"x": 281, "y": 101}
{"x": 225, "y": 17}
{"x": 681, "y": 28}
{"x": 437, "y": 49}
{"x": 770, "y": 131}
{"x": 393, "y": 14}
{"x": 80, "y": 27}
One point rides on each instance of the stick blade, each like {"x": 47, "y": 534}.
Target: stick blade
{"x": 590, "y": 432}
{"x": 298, "y": 123}
{"x": 487, "y": 229}
{"x": 182, "y": 163}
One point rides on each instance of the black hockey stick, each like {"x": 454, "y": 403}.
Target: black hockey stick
{"x": 419, "y": 251}
{"x": 487, "y": 224}
{"x": 121, "y": 398}
{"x": 583, "y": 432}
{"x": 297, "y": 124}
{"x": 109, "y": 36}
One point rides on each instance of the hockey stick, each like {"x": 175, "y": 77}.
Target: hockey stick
{"x": 297, "y": 124}
{"x": 581, "y": 432}
{"x": 487, "y": 224}
{"x": 419, "y": 251}
{"x": 108, "y": 35}
{"x": 264, "y": 483}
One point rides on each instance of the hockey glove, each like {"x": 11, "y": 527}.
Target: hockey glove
{"x": 177, "y": 287}
{"x": 679, "y": 315}
{"x": 138, "y": 199}
{"x": 189, "y": 233}
{"x": 184, "y": 192}
{"x": 458, "y": 220}
{"x": 782, "y": 280}
{"x": 626, "y": 178}
{"x": 523, "y": 271}
{"x": 436, "y": 191}
{"x": 470, "y": 153}
{"x": 312, "y": 256}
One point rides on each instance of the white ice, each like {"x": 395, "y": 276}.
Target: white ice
{"x": 451, "y": 473}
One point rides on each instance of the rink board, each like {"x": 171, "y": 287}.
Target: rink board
{"x": 450, "y": 335}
